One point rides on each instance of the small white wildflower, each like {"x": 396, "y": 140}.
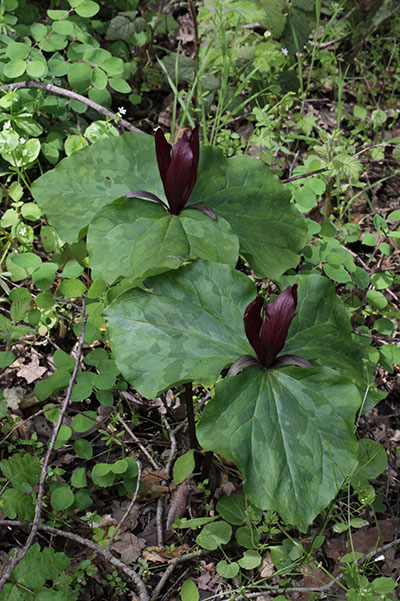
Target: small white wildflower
{"x": 122, "y": 110}
{"x": 285, "y": 51}
{"x": 22, "y": 231}
{"x": 22, "y": 140}
{"x": 7, "y": 125}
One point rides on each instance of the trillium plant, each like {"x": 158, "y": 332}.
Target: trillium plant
{"x": 178, "y": 311}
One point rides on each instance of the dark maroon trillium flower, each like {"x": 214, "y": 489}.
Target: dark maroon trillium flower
{"x": 178, "y": 170}
{"x": 267, "y": 329}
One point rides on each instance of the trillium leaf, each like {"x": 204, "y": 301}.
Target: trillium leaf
{"x": 321, "y": 332}
{"x": 95, "y": 176}
{"x": 257, "y": 205}
{"x": 187, "y": 326}
{"x": 290, "y": 431}
{"x": 136, "y": 239}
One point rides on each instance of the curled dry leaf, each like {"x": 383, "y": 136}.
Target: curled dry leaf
{"x": 129, "y": 547}
{"x": 177, "y": 506}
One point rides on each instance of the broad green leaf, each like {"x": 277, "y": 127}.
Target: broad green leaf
{"x": 189, "y": 591}
{"x": 250, "y": 560}
{"x": 94, "y": 177}
{"x": 232, "y": 509}
{"x": 183, "y": 466}
{"x": 62, "y": 498}
{"x": 78, "y": 478}
{"x": 227, "y": 569}
{"x": 6, "y": 358}
{"x": 187, "y": 326}
{"x": 290, "y": 431}
{"x": 83, "y": 448}
{"x": 248, "y": 195}
{"x": 213, "y": 535}
{"x": 17, "y": 504}
{"x": 321, "y": 333}
{"x": 136, "y": 238}
{"x": 22, "y": 470}
{"x": 36, "y": 68}
{"x": 14, "y": 68}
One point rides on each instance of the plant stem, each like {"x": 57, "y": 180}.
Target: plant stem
{"x": 188, "y": 396}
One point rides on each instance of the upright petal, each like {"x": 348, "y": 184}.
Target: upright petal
{"x": 277, "y": 319}
{"x": 179, "y": 174}
{"x": 195, "y": 146}
{"x": 163, "y": 153}
{"x": 253, "y": 323}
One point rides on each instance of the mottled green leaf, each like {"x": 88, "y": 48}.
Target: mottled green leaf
{"x": 93, "y": 178}
{"x": 187, "y": 326}
{"x": 248, "y": 195}
{"x": 135, "y": 238}
{"x": 321, "y": 332}
{"x": 290, "y": 431}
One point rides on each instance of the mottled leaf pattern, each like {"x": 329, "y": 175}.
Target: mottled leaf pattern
{"x": 290, "y": 431}
{"x": 187, "y": 326}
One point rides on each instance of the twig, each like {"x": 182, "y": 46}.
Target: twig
{"x": 171, "y": 567}
{"x": 106, "y": 555}
{"x": 40, "y": 494}
{"x": 49, "y": 87}
{"x": 139, "y": 444}
{"x": 130, "y": 506}
{"x": 303, "y": 175}
{"x": 160, "y": 508}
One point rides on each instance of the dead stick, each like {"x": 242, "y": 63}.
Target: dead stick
{"x": 38, "y": 506}
{"x": 49, "y": 87}
{"x": 106, "y": 555}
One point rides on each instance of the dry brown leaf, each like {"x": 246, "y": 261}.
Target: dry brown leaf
{"x": 129, "y": 547}
{"x": 161, "y": 554}
{"x": 267, "y": 567}
{"x": 151, "y": 483}
{"x": 32, "y": 371}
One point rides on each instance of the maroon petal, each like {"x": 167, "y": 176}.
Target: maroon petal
{"x": 253, "y": 323}
{"x": 284, "y": 360}
{"x": 147, "y": 195}
{"x": 241, "y": 364}
{"x": 277, "y": 319}
{"x": 179, "y": 174}
{"x": 204, "y": 209}
{"x": 195, "y": 147}
{"x": 163, "y": 153}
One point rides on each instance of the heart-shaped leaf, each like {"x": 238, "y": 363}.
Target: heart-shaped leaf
{"x": 136, "y": 239}
{"x": 290, "y": 431}
{"x": 188, "y": 326}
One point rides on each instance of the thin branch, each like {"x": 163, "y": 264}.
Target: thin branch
{"x": 160, "y": 507}
{"x": 304, "y": 175}
{"x": 171, "y": 567}
{"x": 40, "y": 494}
{"x": 49, "y": 87}
{"x": 106, "y": 555}
{"x": 139, "y": 444}
{"x": 129, "y": 508}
